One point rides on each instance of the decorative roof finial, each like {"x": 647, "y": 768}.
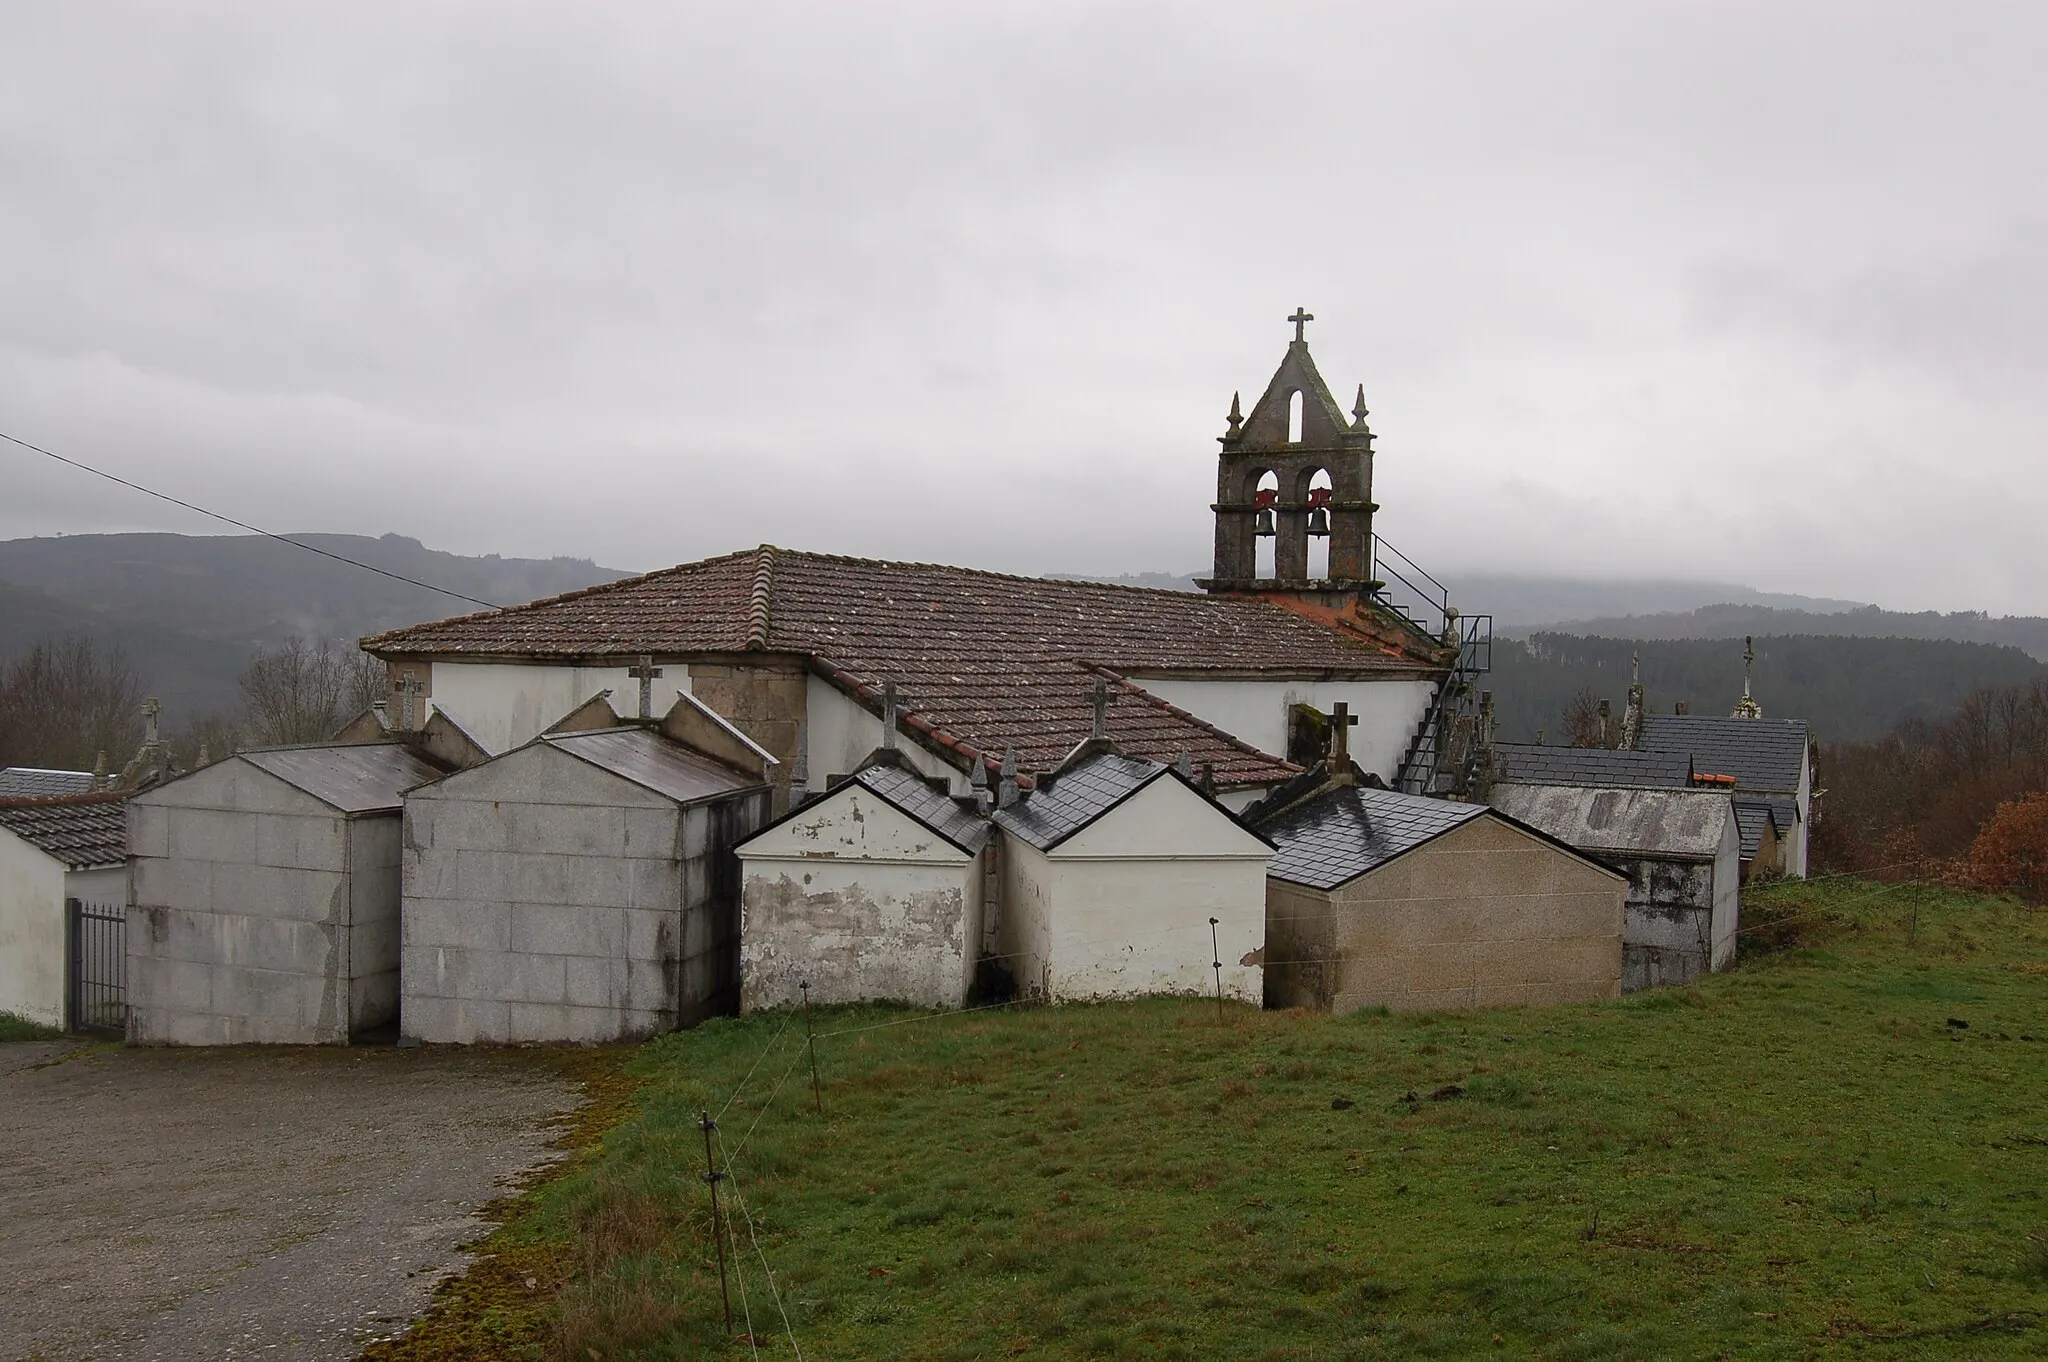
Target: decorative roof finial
{"x": 1236, "y": 417}
{"x": 1301, "y": 318}
{"x": 1635, "y": 667}
{"x": 1358, "y": 411}
{"x": 1747, "y": 707}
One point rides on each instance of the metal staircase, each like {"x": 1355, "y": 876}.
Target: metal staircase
{"x": 1425, "y": 604}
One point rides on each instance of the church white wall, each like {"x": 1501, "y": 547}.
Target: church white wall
{"x": 1122, "y": 908}
{"x": 506, "y": 705}
{"x": 838, "y": 733}
{"x": 1256, "y": 711}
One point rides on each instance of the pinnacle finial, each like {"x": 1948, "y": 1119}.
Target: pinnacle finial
{"x": 1358, "y": 411}
{"x": 1236, "y": 413}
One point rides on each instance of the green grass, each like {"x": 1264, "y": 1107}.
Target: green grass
{"x": 1801, "y": 1156}
{"x": 21, "y": 1028}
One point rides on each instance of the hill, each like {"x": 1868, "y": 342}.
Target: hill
{"x": 1722, "y": 1170}
{"x": 2026, "y": 632}
{"x": 188, "y": 610}
{"x": 1846, "y": 688}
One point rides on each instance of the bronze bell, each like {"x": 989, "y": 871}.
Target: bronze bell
{"x": 1319, "y": 520}
{"x": 1264, "y": 524}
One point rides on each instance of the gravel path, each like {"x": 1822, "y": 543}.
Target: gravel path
{"x": 184, "y": 1204}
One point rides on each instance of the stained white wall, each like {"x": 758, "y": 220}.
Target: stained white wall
{"x": 31, "y": 931}
{"x": 838, "y": 733}
{"x": 1727, "y": 910}
{"x": 1256, "y": 711}
{"x": 505, "y": 705}
{"x": 1122, "y": 908}
{"x": 860, "y": 901}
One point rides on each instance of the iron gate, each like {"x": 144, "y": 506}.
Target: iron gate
{"x": 97, "y": 934}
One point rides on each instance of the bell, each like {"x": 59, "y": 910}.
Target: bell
{"x": 1264, "y": 524}
{"x": 1319, "y": 520}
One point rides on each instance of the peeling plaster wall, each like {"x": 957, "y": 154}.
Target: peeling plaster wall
{"x": 863, "y": 903}
{"x": 1122, "y": 908}
{"x": 506, "y": 705}
{"x": 248, "y": 913}
{"x": 1256, "y": 711}
{"x": 1484, "y": 916}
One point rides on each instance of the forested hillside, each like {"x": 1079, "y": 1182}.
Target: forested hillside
{"x": 1846, "y": 688}
{"x": 188, "y": 612}
{"x": 2028, "y": 632}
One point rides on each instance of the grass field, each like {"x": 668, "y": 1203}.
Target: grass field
{"x": 1839, "y": 1146}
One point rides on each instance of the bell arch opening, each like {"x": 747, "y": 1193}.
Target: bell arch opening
{"x": 1316, "y": 493}
{"x": 1265, "y": 524}
{"x": 1294, "y": 403}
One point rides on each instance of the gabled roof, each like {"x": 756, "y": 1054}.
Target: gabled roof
{"x": 653, "y": 763}
{"x": 30, "y": 782}
{"x": 1762, "y": 754}
{"x": 83, "y": 831}
{"x": 982, "y": 661}
{"x": 350, "y": 777}
{"x": 1045, "y": 817}
{"x": 1333, "y": 839}
{"x": 913, "y": 796}
{"x": 1667, "y": 824}
{"x": 1619, "y": 768}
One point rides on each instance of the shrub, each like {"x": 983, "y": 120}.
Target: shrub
{"x": 2011, "y": 854}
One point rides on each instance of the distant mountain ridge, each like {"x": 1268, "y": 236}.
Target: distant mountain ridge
{"x": 189, "y": 610}
{"x": 2029, "y": 633}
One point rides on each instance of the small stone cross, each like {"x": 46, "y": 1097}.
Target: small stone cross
{"x": 645, "y": 674}
{"x": 407, "y": 687}
{"x": 1101, "y": 729}
{"x": 1301, "y": 318}
{"x": 150, "y": 709}
{"x": 1341, "y": 720}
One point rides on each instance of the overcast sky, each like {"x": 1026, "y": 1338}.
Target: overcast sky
{"x": 1752, "y": 292}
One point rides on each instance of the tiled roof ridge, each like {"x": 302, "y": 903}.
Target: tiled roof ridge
{"x": 580, "y": 592}
{"x": 854, "y": 560}
{"x": 63, "y": 801}
{"x": 762, "y": 598}
{"x": 1229, "y": 739}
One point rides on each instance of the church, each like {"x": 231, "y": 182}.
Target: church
{"x": 1305, "y": 615}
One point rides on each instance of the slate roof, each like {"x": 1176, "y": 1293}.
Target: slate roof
{"x": 82, "y": 831}
{"x": 30, "y": 782}
{"x": 653, "y": 762}
{"x": 1667, "y": 824}
{"x": 914, "y": 796}
{"x": 1046, "y": 817}
{"x": 350, "y": 777}
{"x": 1623, "y": 768}
{"x": 1333, "y": 839}
{"x": 1762, "y": 754}
{"x": 982, "y": 661}
{"x": 1752, "y": 816}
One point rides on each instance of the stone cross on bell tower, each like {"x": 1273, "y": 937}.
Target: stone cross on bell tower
{"x": 1265, "y": 476}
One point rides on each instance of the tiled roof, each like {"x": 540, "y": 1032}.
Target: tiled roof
{"x": 940, "y": 812}
{"x": 1680, "y": 824}
{"x": 351, "y": 777}
{"x": 1762, "y": 754}
{"x": 1046, "y": 817}
{"x": 82, "y": 831}
{"x": 982, "y": 661}
{"x": 1616, "y": 768}
{"x": 1332, "y": 839}
{"x": 653, "y": 762}
{"x": 29, "y": 782}
{"x": 1752, "y": 817}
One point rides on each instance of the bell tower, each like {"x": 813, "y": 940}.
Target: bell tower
{"x": 1267, "y": 486}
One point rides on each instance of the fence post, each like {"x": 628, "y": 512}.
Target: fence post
{"x": 74, "y": 945}
{"x": 1216, "y": 954}
{"x": 711, "y": 1177}
{"x": 811, "y": 1044}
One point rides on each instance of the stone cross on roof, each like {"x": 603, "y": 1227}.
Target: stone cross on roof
{"x": 408, "y": 686}
{"x": 150, "y": 709}
{"x": 1341, "y": 721}
{"x": 645, "y": 674}
{"x": 1301, "y": 318}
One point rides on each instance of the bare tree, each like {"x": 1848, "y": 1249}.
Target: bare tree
{"x": 303, "y": 689}
{"x": 66, "y": 702}
{"x": 1583, "y": 725}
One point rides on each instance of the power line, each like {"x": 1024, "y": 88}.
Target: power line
{"x": 245, "y": 525}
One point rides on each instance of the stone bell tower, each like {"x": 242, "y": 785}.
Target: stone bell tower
{"x": 1295, "y": 431}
